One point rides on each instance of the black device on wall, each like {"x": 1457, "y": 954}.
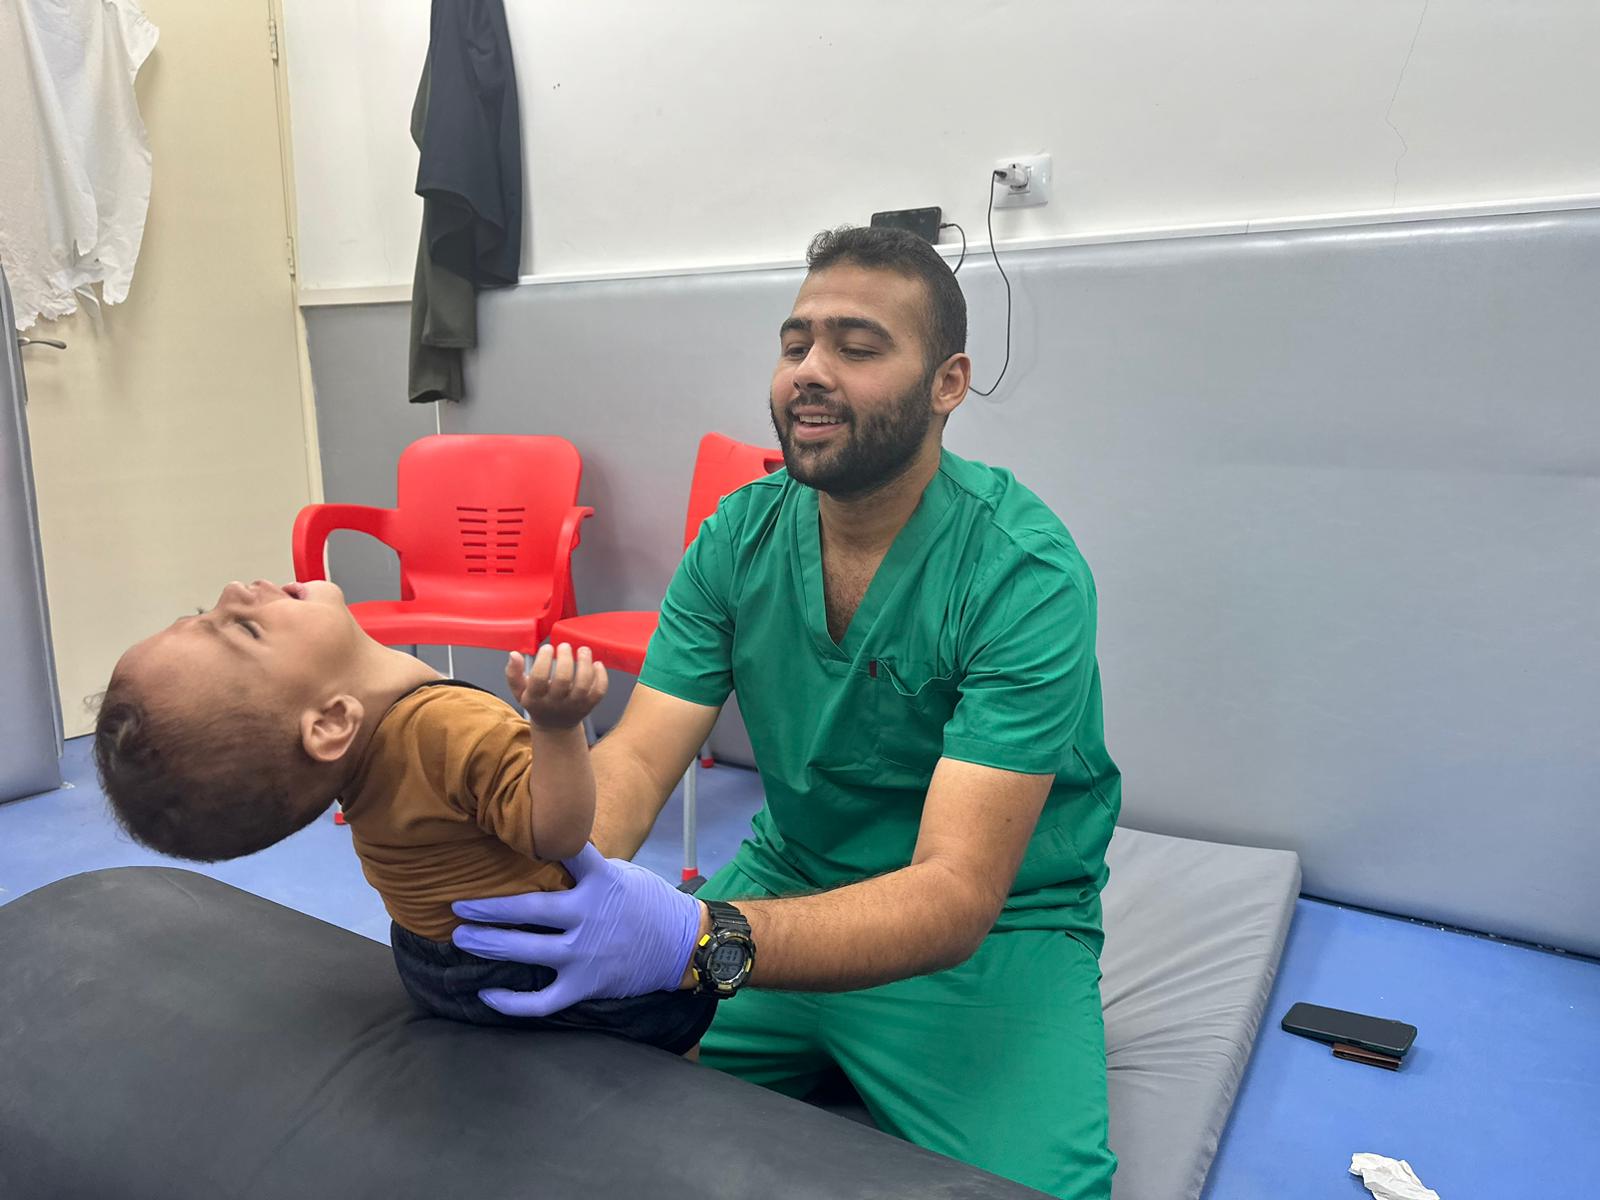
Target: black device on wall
{"x": 924, "y": 222}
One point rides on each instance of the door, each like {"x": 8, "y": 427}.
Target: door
{"x": 30, "y": 745}
{"x": 172, "y": 443}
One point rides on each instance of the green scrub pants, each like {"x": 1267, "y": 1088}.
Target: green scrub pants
{"x": 999, "y": 1062}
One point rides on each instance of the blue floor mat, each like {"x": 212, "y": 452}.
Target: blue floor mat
{"x": 65, "y": 832}
{"x": 1500, "y": 1096}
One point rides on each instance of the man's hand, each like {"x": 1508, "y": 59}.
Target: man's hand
{"x": 557, "y": 689}
{"x": 627, "y": 932}
{"x": 640, "y": 761}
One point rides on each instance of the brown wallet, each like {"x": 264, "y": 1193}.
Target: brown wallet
{"x": 1362, "y": 1055}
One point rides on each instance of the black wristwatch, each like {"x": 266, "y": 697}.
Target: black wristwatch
{"x": 724, "y": 957}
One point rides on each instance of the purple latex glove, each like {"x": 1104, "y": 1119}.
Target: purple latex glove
{"x": 627, "y": 932}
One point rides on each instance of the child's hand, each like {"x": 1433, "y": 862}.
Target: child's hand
{"x": 557, "y": 689}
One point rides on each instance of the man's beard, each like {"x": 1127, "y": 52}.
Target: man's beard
{"x": 874, "y": 452}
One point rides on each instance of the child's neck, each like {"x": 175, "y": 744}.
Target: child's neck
{"x": 383, "y": 678}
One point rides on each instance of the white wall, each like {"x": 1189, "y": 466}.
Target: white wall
{"x": 727, "y": 131}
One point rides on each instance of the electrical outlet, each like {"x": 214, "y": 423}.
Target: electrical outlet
{"x": 1034, "y": 189}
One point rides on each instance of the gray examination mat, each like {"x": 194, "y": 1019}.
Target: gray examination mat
{"x": 1194, "y": 931}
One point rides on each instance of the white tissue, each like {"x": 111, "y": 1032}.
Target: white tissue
{"x": 1390, "y": 1178}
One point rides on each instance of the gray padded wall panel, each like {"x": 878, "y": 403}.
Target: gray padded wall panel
{"x": 634, "y": 385}
{"x": 1340, "y": 490}
{"x": 358, "y": 358}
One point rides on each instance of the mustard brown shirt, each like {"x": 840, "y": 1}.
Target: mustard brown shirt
{"x": 439, "y": 807}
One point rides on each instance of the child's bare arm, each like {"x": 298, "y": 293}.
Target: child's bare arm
{"x": 559, "y": 689}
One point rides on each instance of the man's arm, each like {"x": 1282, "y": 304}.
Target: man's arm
{"x": 638, "y": 763}
{"x": 925, "y": 917}
{"x": 627, "y": 931}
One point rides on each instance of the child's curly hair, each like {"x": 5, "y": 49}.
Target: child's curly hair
{"x": 218, "y": 785}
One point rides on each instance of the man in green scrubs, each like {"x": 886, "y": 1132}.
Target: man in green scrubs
{"x": 911, "y": 637}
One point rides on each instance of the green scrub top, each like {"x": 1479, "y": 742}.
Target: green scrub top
{"x": 975, "y": 641}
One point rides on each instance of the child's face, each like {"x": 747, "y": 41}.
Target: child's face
{"x": 286, "y": 647}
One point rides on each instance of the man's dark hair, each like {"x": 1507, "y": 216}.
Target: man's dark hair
{"x": 904, "y": 252}
{"x": 218, "y": 786}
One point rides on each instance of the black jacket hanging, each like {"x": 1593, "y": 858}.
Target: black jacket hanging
{"x": 467, "y": 127}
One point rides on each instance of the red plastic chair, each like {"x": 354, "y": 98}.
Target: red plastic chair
{"x": 620, "y": 639}
{"x": 485, "y": 526}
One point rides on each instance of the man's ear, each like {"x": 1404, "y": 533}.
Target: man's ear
{"x": 327, "y": 733}
{"x": 950, "y": 384}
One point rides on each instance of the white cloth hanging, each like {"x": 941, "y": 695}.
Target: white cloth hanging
{"x": 74, "y": 158}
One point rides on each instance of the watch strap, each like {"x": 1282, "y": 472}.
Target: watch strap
{"x": 726, "y": 916}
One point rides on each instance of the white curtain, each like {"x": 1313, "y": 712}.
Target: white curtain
{"x": 74, "y": 158}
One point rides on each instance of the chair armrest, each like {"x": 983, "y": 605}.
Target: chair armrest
{"x": 561, "y": 601}
{"x": 317, "y": 521}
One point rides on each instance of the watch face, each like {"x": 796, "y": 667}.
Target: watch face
{"x": 727, "y": 960}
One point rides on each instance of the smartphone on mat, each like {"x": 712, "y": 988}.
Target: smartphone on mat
{"x": 1393, "y": 1038}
